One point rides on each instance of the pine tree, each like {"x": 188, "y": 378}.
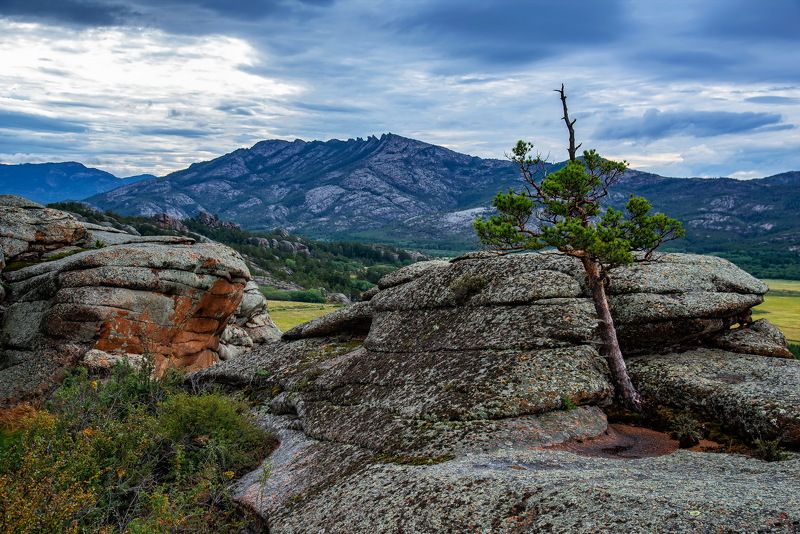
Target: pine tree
{"x": 564, "y": 210}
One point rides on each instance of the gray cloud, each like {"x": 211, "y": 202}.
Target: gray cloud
{"x": 177, "y": 132}
{"x": 507, "y": 32}
{"x": 15, "y": 120}
{"x": 772, "y": 99}
{"x": 77, "y": 12}
{"x": 473, "y": 76}
{"x": 656, "y": 124}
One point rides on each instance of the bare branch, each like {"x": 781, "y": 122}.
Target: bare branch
{"x": 570, "y": 123}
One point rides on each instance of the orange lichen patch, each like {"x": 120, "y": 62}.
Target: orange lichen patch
{"x": 190, "y": 338}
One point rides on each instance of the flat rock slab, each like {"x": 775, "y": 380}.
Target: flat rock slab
{"x": 544, "y": 491}
{"x": 753, "y": 395}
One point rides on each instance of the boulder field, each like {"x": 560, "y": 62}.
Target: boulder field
{"x": 75, "y": 291}
{"x": 447, "y": 402}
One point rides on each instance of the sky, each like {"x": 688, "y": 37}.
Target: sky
{"x": 679, "y": 87}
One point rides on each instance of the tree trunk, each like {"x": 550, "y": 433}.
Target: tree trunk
{"x": 608, "y": 332}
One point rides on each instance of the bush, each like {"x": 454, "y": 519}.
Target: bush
{"x": 794, "y": 348}
{"x": 686, "y": 430}
{"x": 129, "y": 454}
{"x": 769, "y": 450}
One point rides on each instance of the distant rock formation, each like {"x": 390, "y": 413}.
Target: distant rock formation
{"x": 77, "y": 290}
{"x": 442, "y": 396}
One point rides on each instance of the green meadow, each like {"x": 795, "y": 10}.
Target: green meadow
{"x": 782, "y": 307}
{"x": 287, "y": 314}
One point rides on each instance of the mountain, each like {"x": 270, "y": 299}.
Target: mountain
{"x": 386, "y": 188}
{"x": 52, "y": 182}
{"x": 407, "y": 192}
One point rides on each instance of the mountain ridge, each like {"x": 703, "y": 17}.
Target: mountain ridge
{"x": 57, "y": 181}
{"x": 417, "y": 195}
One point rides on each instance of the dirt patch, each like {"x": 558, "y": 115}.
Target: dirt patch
{"x": 630, "y": 442}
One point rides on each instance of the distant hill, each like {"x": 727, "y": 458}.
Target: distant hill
{"x": 52, "y": 182}
{"x": 417, "y": 195}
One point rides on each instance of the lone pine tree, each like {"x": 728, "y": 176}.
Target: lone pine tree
{"x": 564, "y": 210}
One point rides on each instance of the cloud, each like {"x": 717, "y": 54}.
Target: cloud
{"x": 656, "y": 124}
{"x": 177, "y": 132}
{"x": 158, "y": 84}
{"x": 77, "y": 12}
{"x": 509, "y": 32}
{"x": 14, "y": 120}
{"x": 772, "y": 99}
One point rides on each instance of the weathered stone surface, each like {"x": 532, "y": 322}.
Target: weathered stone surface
{"x": 337, "y": 298}
{"x": 160, "y": 296}
{"x": 551, "y": 323}
{"x": 469, "y": 370}
{"x": 751, "y": 395}
{"x": 676, "y": 299}
{"x": 353, "y": 319}
{"x": 760, "y": 337}
{"x": 410, "y": 272}
{"x": 253, "y": 316}
{"x": 533, "y": 491}
{"x": 99, "y": 361}
{"x": 28, "y": 230}
{"x": 234, "y": 342}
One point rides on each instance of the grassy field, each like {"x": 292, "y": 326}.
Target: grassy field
{"x": 289, "y": 314}
{"x": 782, "y": 307}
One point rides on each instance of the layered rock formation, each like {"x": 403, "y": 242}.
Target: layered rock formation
{"x": 439, "y": 396}
{"x": 79, "y": 289}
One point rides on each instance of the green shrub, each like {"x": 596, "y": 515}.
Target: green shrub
{"x": 128, "y": 454}
{"x": 794, "y": 348}
{"x": 686, "y": 430}
{"x": 769, "y": 450}
{"x": 567, "y": 403}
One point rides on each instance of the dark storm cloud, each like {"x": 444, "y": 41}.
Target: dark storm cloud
{"x": 15, "y": 120}
{"x": 77, "y": 12}
{"x": 184, "y": 16}
{"x": 506, "y": 32}
{"x": 745, "y": 20}
{"x": 655, "y": 124}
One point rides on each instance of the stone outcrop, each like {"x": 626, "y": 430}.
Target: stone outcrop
{"x": 760, "y": 337}
{"x": 747, "y": 394}
{"x": 442, "y": 393}
{"x": 107, "y": 295}
{"x": 29, "y": 230}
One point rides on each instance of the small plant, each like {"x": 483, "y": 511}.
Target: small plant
{"x": 126, "y": 454}
{"x": 99, "y": 243}
{"x": 465, "y": 287}
{"x": 686, "y": 430}
{"x": 794, "y": 348}
{"x": 568, "y": 404}
{"x": 769, "y": 450}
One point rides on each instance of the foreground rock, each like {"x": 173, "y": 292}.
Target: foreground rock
{"x": 748, "y": 394}
{"x": 442, "y": 396}
{"x": 514, "y": 490}
{"x": 166, "y": 297}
